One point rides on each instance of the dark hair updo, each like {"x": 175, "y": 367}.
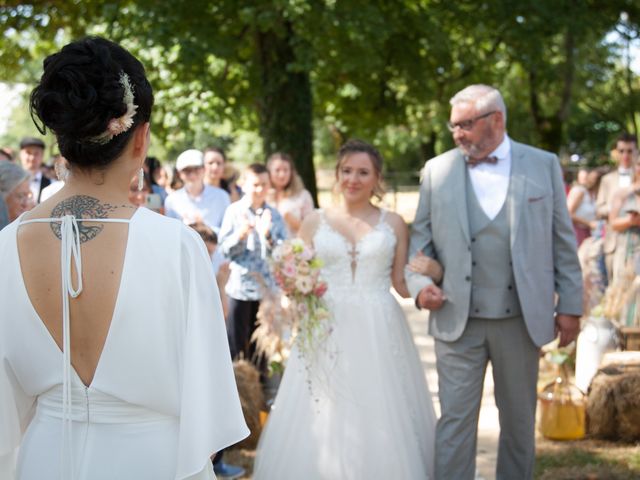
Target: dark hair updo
{"x": 80, "y": 92}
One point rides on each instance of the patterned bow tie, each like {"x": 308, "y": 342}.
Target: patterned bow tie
{"x": 472, "y": 162}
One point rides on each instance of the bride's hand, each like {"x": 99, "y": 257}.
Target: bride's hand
{"x": 424, "y": 265}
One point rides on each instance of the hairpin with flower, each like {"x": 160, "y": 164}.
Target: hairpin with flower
{"x": 119, "y": 125}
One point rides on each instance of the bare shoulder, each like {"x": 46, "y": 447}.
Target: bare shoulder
{"x": 395, "y": 220}
{"x": 397, "y": 223}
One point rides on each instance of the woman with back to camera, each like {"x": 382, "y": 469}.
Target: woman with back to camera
{"x": 359, "y": 406}
{"x": 115, "y": 362}
{"x": 288, "y": 196}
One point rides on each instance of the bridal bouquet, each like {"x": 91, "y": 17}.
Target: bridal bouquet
{"x": 296, "y": 270}
{"x": 296, "y": 312}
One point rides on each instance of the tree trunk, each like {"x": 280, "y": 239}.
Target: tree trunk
{"x": 285, "y": 103}
{"x": 551, "y": 128}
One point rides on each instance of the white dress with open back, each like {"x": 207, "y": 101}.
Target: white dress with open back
{"x": 163, "y": 398}
{"x": 361, "y": 409}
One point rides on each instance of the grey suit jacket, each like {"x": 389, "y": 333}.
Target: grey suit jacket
{"x": 543, "y": 246}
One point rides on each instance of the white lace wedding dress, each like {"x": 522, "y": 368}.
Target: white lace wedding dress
{"x": 361, "y": 409}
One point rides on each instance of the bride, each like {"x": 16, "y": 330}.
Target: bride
{"x": 360, "y": 408}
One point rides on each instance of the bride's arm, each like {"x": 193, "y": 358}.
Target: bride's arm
{"x": 400, "y": 258}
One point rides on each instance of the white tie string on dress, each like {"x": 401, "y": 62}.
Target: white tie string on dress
{"x": 70, "y": 257}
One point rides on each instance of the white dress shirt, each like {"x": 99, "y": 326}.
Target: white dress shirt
{"x": 208, "y": 207}
{"x": 34, "y": 185}
{"x": 624, "y": 177}
{"x": 490, "y": 181}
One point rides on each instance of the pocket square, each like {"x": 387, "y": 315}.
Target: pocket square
{"x": 535, "y": 199}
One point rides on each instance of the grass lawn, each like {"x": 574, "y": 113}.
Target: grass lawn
{"x": 586, "y": 460}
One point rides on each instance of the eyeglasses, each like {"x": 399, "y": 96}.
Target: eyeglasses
{"x": 467, "y": 125}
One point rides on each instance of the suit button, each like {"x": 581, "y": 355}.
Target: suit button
{"x": 467, "y": 278}
{"x": 508, "y": 311}
{"x": 473, "y": 239}
{"x": 510, "y": 263}
{"x": 510, "y": 287}
{"x": 477, "y": 310}
{"x": 473, "y": 263}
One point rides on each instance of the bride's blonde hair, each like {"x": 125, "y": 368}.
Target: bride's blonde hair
{"x": 358, "y": 146}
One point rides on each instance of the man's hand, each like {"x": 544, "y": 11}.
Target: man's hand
{"x": 431, "y": 298}
{"x": 568, "y": 327}
{"x": 263, "y": 222}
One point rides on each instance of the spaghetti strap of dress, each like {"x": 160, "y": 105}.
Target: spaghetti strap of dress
{"x": 70, "y": 259}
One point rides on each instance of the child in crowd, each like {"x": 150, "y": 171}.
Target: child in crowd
{"x": 250, "y": 229}
{"x": 221, "y": 270}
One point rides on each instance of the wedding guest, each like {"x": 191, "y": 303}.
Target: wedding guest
{"x": 127, "y": 374}
{"x": 581, "y": 203}
{"x": 14, "y": 189}
{"x": 250, "y": 230}
{"x": 31, "y": 155}
{"x": 493, "y": 212}
{"x": 215, "y": 162}
{"x": 624, "y": 219}
{"x": 288, "y": 194}
{"x": 163, "y": 177}
{"x": 4, "y": 214}
{"x": 60, "y": 169}
{"x": 625, "y": 154}
{"x": 153, "y": 167}
{"x": 138, "y": 191}
{"x": 6, "y": 153}
{"x": 196, "y": 202}
{"x": 354, "y": 403}
{"x": 221, "y": 271}
{"x": 175, "y": 182}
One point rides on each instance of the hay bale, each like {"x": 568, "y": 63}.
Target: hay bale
{"x": 251, "y": 399}
{"x": 613, "y": 404}
{"x": 626, "y": 394}
{"x": 601, "y": 417}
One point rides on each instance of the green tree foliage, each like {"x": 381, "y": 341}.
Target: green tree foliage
{"x": 378, "y": 70}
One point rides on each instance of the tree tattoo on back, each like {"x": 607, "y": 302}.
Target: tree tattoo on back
{"x": 83, "y": 206}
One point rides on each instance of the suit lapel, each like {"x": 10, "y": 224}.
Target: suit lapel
{"x": 458, "y": 188}
{"x": 517, "y": 189}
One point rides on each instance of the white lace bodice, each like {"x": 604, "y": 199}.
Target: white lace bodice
{"x": 365, "y": 265}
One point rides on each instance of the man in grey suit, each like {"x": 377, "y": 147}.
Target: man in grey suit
{"x": 493, "y": 213}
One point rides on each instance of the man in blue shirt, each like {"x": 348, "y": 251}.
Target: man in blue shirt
{"x": 196, "y": 202}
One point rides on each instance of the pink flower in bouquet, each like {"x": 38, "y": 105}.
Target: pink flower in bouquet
{"x": 289, "y": 270}
{"x": 320, "y": 289}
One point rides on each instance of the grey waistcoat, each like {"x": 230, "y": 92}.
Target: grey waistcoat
{"x": 493, "y": 288}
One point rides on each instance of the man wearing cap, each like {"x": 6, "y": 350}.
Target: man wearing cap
{"x": 196, "y": 202}
{"x": 31, "y": 155}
